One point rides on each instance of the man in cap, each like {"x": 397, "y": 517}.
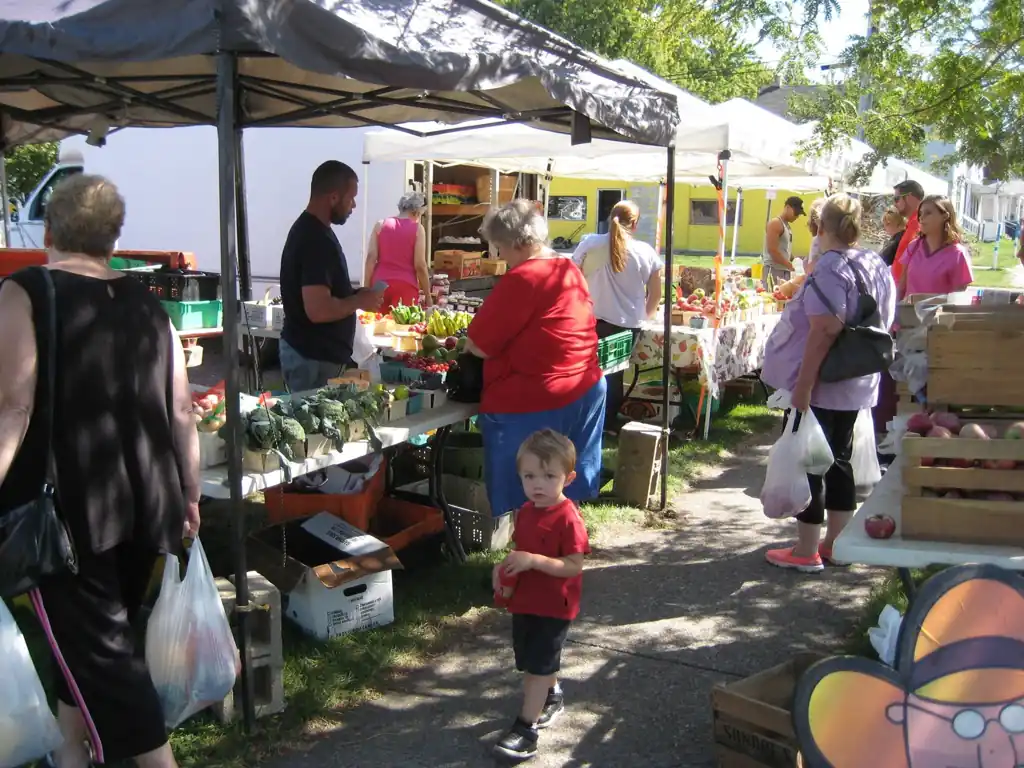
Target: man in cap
{"x": 778, "y": 243}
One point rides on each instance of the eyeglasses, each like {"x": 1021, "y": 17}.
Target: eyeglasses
{"x": 897, "y": 198}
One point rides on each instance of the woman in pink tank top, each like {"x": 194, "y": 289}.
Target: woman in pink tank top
{"x": 397, "y": 254}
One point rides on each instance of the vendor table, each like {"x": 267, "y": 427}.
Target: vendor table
{"x": 214, "y": 481}
{"x": 855, "y": 546}
{"x": 737, "y": 351}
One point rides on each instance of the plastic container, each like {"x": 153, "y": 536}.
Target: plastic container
{"x": 401, "y": 523}
{"x": 194, "y": 315}
{"x": 182, "y": 285}
{"x": 615, "y": 349}
{"x": 358, "y": 509}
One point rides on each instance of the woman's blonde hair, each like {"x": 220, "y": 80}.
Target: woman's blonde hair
{"x": 620, "y": 222}
{"x": 840, "y": 216}
{"x": 814, "y": 215}
{"x": 953, "y": 232}
{"x": 894, "y": 217}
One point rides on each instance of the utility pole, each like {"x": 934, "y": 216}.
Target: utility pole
{"x": 864, "y": 105}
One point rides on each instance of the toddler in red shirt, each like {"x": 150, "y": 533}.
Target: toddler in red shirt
{"x": 541, "y": 580}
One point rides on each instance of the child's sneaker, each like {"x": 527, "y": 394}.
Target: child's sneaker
{"x": 520, "y": 743}
{"x": 553, "y": 708}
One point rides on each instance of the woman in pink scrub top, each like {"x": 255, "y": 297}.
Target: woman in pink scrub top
{"x": 937, "y": 261}
{"x": 397, "y": 255}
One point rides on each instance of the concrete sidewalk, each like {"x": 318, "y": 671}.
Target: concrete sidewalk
{"x": 666, "y": 614}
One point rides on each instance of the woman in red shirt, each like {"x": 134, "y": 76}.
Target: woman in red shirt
{"x": 536, "y": 336}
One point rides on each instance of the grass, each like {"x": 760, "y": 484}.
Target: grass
{"x": 321, "y": 680}
{"x": 1003, "y": 275}
{"x": 889, "y": 591}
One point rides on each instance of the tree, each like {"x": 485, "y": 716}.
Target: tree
{"x": 687, "y": 42}
{"x": 26, "y": 166}
{"x": 942, "y": 69}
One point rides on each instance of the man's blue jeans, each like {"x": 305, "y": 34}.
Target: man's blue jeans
{"x": 302, "y": 374}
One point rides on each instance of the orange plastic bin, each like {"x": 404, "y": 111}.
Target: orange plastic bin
{"x": 358, "y": 509}
{"x": 401, "y": 523}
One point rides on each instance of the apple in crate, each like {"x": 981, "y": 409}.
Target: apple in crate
{"x": 1015, "y": 431}
{"x": 880, "y": 526}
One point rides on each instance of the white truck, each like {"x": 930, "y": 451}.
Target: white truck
{"x": 169, "y": 179}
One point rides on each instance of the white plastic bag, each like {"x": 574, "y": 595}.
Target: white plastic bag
{"x": 190, "y": 650}
{"x": 866, "y": 472}
{"x": 885, "y": 636}
{"x": 815, "y": 453}
{"x": 785, "y": 492}
{"x": 28, "y": 729}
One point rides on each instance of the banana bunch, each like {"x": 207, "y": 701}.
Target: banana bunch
{"x": 444, "y": 323}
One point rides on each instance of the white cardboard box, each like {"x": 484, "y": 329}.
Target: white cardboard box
{"x": 334, "y": 578}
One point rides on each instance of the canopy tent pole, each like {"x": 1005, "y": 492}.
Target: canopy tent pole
{"x": 735, "y": 223}
{"x": 428, "y": 195}
{"x": 666, "y": 365}
{"x": 242, "y": 212}
{"x": 365, "y": 240}
{"x": 5, "y": 198}
{"x": 723, "y": 208}
{"x": 227, "y": 146}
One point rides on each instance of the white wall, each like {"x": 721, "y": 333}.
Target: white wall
{"x": 169, "y": 178}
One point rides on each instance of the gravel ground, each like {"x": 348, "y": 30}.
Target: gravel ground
{"x": 666, "y": 615}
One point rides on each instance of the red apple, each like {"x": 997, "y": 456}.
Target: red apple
{"x": 991, "y": 431}
{"x": 948, "y": 420}
{"x": 953, "y": 494}
{"x": 973, "y": 432}
{"x": 1015, "y": 431}
{"x": 919, "y": 423}
{"x": 927, "y": 461}
{"x": 880, "y": 526}
{"x": 939, "y": 431}
{"x": 999, "y": 464}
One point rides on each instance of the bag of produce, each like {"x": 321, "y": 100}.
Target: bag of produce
{"x": 28, "y": 729}
{"x": 190, "y": 650}
{"x": 866, "y": 472}
{"x": 815, "y": 453}
{"x": 786, "y": 491}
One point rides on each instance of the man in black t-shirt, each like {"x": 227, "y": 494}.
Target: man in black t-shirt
{"x": 319, "y": 301}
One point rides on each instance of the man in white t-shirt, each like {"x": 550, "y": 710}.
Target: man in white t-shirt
{"x": 624, "y": 276}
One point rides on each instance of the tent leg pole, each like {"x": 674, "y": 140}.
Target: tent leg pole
{"x": 736, "y": 224}
{"x": 724, "y": 214}
{"x": 227, "y": 113}
{"x": 5, "y": 198}
{"x": 666, "y": 366}
{"x": 366, "y": 218}
{"x": 242, "y": 212}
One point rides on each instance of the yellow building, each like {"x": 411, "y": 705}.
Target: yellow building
{"x": 695, "y": 220}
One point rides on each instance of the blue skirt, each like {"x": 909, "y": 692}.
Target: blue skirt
{"x": 581, "y": 421}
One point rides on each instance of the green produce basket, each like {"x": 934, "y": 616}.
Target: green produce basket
{"x": 194, "y": 315}
{"x": 615, "y": 349}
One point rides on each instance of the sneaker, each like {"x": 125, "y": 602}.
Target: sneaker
{"x": 520, "y": 743}
{"x": 553, "y": 708}
{"x": 825, "y": 553}
{"x": 784, "y": 558}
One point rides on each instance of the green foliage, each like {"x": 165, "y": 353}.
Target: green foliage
{"x": 688, "y": 42}
{"x": 26, "y": 166}
{"x": 934, "y": 69}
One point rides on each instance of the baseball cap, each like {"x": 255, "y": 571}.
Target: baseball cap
{"x": 796, "y": 204}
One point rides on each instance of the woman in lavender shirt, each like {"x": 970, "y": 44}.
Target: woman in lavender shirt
{"x": 793, "y": 359}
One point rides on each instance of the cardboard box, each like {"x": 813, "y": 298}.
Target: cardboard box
{"x": 335, "y": 579}
{"x": 753, "y": 717}
{"x": 458, "y": 265}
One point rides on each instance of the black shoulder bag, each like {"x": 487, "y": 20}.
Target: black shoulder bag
{"x": 862, "y": 348}
{"x": 465, "y": 381}
{"x": 34, "y": 541}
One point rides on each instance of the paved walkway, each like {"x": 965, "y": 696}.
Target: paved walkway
{"x": 666, "y": 615}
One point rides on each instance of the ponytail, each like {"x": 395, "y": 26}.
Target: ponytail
{"x": 622, "y": 219}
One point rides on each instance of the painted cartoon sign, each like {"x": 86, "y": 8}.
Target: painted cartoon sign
{"x": 955, "y": 698}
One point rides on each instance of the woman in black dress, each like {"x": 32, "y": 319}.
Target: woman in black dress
{"x": 127, "y": 466}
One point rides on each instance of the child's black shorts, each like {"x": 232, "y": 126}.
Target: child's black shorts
{"x": 537, "y": 642}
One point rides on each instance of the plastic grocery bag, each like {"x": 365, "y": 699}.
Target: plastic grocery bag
{"x": 190, "y": 651}
{"x": 866, "y": 472}
{"x": 785, "y": 492}
{"x": 815, "y": 453}
{"x": 28, "y": 729}
{"x": 885, "y": 636}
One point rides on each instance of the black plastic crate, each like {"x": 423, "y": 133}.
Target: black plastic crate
{"x": 179, "y": 285}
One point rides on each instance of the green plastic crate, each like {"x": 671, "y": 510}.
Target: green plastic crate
{"x": 195, "y": 315}
{"x": 615, "y": 349}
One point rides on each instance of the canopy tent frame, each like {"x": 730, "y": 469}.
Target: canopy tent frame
{"x": 36, "y": 31}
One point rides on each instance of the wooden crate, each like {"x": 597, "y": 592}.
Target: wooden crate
{"x": 976, "y": 358}
{"x": 906, "y": 310}
{"x": 753, "y": 718}
{"x": 927, "y": 517}
{"x": 493, "y": 266}
{"x": 905, "y": 402}
{"x": 458, "y": 265}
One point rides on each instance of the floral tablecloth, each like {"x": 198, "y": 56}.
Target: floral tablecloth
{"x": 737, "y": 351}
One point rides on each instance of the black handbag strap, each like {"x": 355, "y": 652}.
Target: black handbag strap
{"x": 51, "y": 372}
{"x": 862, "y": 290}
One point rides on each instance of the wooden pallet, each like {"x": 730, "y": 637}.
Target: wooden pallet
{"x": 974, "y": 519}
{"x": 977, "y": 357}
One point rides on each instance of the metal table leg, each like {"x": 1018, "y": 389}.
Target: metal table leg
{"x": 908, "y": 583}
{"x": 436, "y": 490}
